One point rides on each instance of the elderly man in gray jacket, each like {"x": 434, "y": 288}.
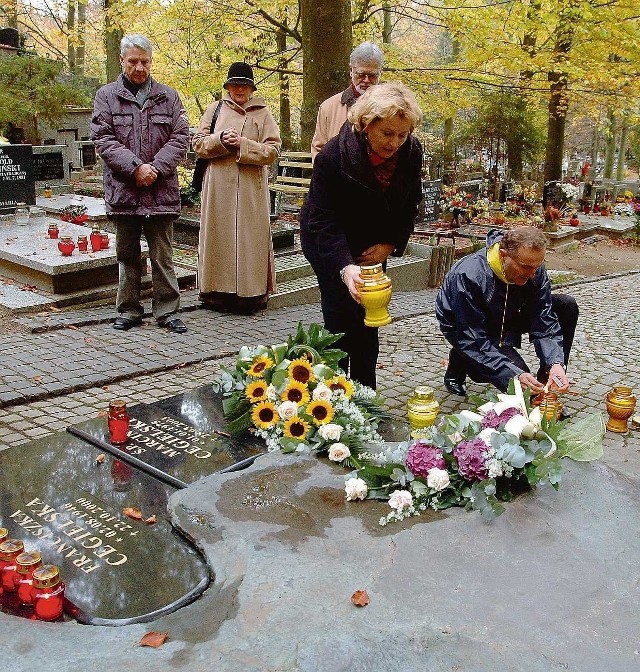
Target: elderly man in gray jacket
{"x": 141, "y": 132}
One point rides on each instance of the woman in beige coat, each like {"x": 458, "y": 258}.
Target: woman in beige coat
{"x": 235, "y": 262}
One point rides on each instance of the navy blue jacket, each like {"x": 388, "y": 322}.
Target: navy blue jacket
{"x": 347, "y": 210}
{"x": 470, "y": 307}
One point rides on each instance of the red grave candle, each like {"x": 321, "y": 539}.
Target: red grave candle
{"x": 104, "y": 241}
{"x": 96, "y": 240}
{"x": 118, "y": 422}
{"x": 9, "y": 551}
{"x": 47, "y": 593}
{"x": 26, "y": 564}
{"x": 53, "y": 230}
{"x": 4, "y": 533}
{"x": 82, "y": 243}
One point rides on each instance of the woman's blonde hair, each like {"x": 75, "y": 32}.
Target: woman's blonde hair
{"x": 384, "y": 101}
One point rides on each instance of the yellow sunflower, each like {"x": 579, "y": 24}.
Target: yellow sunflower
{"x": 256, "y": 391}
{"x": 259, "y": 366}
{"x": 265, "y": 415}
{"x": 321, "y": 411}
{"x": 296, "y": 428}
{"x": 341, "y": 383}
{"x": 296, "y": 392}
{"x": 300, "y": 371}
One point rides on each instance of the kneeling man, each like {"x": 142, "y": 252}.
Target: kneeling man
{"x": 489, "y": 299}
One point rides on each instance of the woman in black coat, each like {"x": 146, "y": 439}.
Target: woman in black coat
{"x": 361, "y": 208}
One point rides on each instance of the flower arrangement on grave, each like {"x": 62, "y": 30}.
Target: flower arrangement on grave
{"x": 474, "y": 459}
{"x": 570, "y": 192}
{"x": 623, "y": 210}
{"x": 188, "y": 196}
{"x": 294, "y": 396}
{"x": 452, "y": 198}
{"x": 77, "y": 214}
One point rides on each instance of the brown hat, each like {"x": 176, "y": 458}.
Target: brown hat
{"x": 240, "y": 73}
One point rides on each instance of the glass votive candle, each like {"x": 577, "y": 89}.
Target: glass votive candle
{"x": 22, "y": 216}
{"x": 83, "y": 244}
{"x": 26, "y": 564}
{"x": 118, "y": 422}
{"x": 47, "y": 593}
{"x": 36, "y": 215}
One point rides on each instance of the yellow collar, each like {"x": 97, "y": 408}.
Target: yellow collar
{"x": 495, "y": 262}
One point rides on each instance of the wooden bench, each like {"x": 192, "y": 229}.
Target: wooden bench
{"x": 292, "y": 178}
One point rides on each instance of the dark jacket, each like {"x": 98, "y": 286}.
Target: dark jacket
{"x": 126, "y": 136}
{"x": 470, "y": 307}
{"x": 347, "y": 210}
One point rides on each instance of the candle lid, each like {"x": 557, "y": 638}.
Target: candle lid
{"x": 46, "y": 576}
{"x": 423, "y": 392}
{"x": 117, "y": 405}
{"x": 10, "y": 548}
{"x": 4, "y": 533}
{"x": 26, "y": 561}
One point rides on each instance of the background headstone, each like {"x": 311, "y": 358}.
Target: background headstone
{"x": 17, "y": 183}
{"x": 51, "y": 166}
{"x": 429, "y": 208}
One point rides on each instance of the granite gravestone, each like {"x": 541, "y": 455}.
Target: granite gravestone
{"x": 58, "y": 499}
{"x": 17, "y": 182}
{"x": 178, "y": 440}
{"x": 51, "y": 166}
{"x": 429, "y": 207}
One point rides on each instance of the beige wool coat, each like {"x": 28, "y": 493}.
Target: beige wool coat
{"x": 235, "y": 249}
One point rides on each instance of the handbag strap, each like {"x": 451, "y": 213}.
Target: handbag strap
{"x": 216, "y": 114}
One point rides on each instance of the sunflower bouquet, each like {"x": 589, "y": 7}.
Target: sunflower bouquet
{"x": 295, "y": 397}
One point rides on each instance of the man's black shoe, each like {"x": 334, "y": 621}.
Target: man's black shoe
{"x": 125, "y": 323}
{"x": 173, "y": 324}
{"x": 455, "y": 386}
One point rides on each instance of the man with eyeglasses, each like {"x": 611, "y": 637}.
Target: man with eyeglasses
{"x": 489, "y": 299}
{"x": 365, "y": 68}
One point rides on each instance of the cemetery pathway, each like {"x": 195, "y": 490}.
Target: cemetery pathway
{"x": 70, "y": 364}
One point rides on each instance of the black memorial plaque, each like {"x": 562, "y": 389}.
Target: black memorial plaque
{"x": 88, "y": 153}
{"x": 48, "y": 166}
{"x": 471, "y": 187}
{"x": 57, "y": 498}
{"x": 179, "y": 440}
{"x": 17, "y": 181}
{"x": 429, "y": 207}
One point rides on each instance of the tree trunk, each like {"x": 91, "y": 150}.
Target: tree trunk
{"x": 326, "y": 45}
{"x": 285, "y": 103}
{"x": 595, "y": 149}
{"x": 448, "y": 150}
{"x": 556, "y": 121}
{"x": 71, "y": 35}
{"x": 622, "y": 150}
{"x": 386, "y": 25}
{"x": 82, "y": 26}
{"x": 610, "y": 151}
{"x": 112, "y": 36}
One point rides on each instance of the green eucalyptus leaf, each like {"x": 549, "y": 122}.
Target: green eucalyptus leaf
{"x": 581, "y": 440}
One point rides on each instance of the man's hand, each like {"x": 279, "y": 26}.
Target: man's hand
{"x": 351, "y": 278}
{"x": 527, "y": 380}
{"x": 558, "y": 378}
{"x": 376, "y": 254}
{"x": 145, "y": 175}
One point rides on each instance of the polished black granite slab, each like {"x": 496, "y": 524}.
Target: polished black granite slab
{"x": 57, "y": 498}
{"x": 178, "y": 440}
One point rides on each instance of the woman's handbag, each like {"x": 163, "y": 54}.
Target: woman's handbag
{"x": 201, "y": 164}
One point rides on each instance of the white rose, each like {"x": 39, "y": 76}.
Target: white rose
{"x": 330, "y": 432}
{"x": 288, "y": 410}
{"x": 486, "y": 434}
{"x": 338, "y": 452}
{"x": 272, "y": 395}
{"x": 456, "y": 437}
{"x": 400, "y": 499}
{"x": 355, "y": 488}
{"x": 322, "y": 392}
{"x": 438, "y": 479}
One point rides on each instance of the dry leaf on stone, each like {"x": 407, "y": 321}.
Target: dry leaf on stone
{"x": 360, "y": 598}
{"x": 37, "y": 379}
{"x": 154, "y": 639}
{"x": 379, "y": 365}
{"x": 86, "y": 339}
{"x": 73, "y": 326}
{"x": 133, "y": 512}
{"x": 151, "y": 520}
{"x": 100, "y": 459}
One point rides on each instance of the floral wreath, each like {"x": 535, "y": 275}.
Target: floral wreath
{"x": 295, "y": 397}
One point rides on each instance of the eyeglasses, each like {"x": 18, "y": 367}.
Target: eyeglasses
{"x": 373, "y": 76}
{"x": 530, "y": 268}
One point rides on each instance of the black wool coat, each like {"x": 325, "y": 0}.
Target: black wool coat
{"x": 347, "y": 210}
